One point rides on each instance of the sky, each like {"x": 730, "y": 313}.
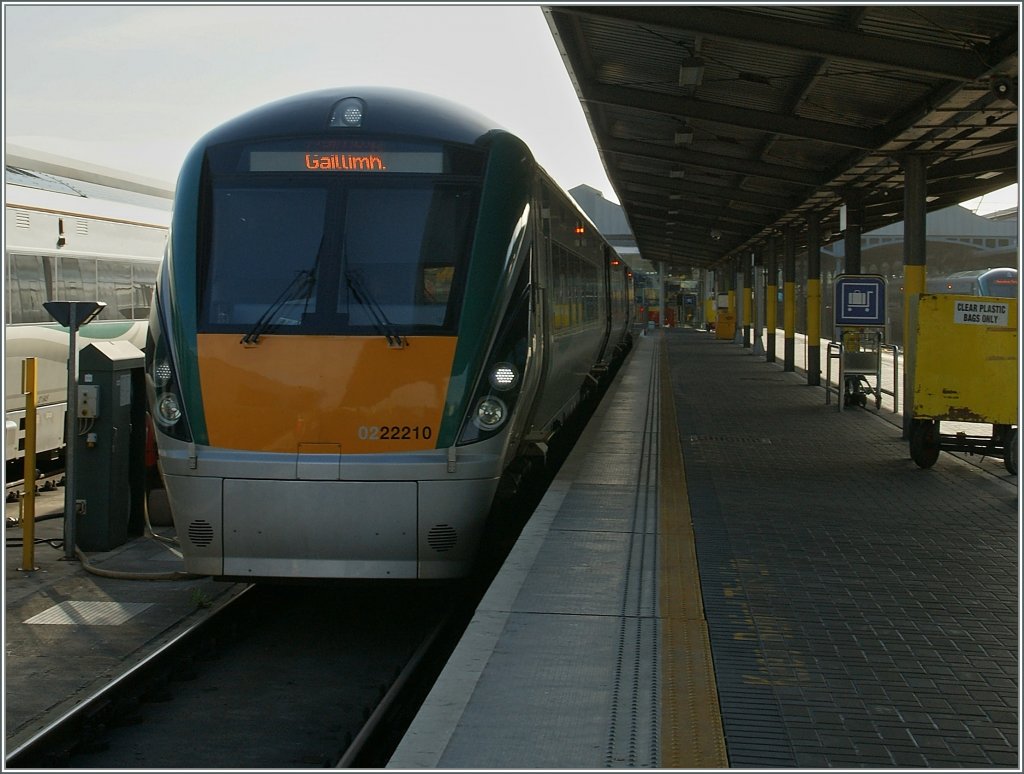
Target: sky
{"x": 133, "y": 87}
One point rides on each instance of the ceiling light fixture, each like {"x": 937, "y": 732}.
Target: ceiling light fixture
{"x": 691, "y": 71}
{"x": 684, "y": 135}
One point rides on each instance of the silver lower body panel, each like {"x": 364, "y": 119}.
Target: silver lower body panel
{"x": 265, "y": 528}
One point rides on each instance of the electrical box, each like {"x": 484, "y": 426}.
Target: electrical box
{"x": 109, "y": 443}
{"x": 88, "y": 401}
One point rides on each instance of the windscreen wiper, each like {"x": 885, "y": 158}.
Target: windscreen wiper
{"x": 300, "y": 287}
{"x": 380, "y": 320}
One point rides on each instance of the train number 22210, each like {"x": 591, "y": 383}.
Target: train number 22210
{"x": 395, "y": 433}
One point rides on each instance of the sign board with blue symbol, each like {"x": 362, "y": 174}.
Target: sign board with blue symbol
{"x": 860, "y": 299}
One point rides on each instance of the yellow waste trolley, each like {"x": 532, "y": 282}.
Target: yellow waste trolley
{"x": 963, "y": 367}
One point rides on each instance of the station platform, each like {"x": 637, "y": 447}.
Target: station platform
{"x": 68, "y": 630}
{"x": 729, "y": 572}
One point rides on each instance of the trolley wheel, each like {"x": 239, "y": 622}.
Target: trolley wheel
{"x": 924, "y": 442}
{"x": 1010, "y": 452}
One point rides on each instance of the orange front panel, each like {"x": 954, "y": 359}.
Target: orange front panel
{"x": 324, "y": 392}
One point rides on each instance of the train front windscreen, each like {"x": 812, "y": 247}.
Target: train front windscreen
{"x": 353, "y": 238}
{"x": 1001, "y": 284}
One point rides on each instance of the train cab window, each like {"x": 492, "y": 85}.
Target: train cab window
{"x": 264, "y": 250}
{"x": 318, "y": 255}
{"x": 436, "y": 284}
{"x": 402, "y": 248}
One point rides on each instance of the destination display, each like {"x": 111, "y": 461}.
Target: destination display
{"x": 345, "y": 161}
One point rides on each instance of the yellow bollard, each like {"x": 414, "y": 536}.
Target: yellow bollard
{"x": 28, "y": 512}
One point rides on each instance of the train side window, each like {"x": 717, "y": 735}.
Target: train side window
{"x": 560, "y": 298}
{"x": 76, "y": 279}
{"x": 31, "y": 285}
{"x": 114, "y": 282}
{"x": 143, "y": 284}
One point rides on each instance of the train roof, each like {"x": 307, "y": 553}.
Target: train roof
{"x": 387, "y": 111}
{"x": 26, "y": 177}
{"x": 28, "y": 189}
{"x": 968, "y": 273}
{"x": 85, "y": 177}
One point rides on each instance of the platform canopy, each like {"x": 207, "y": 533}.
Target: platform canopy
{"x": 721, "y": 125}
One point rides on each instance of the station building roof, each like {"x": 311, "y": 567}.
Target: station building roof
{"x": 720, "y": 126}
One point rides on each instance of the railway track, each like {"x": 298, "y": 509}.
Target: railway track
{"x": 283, "y": 677}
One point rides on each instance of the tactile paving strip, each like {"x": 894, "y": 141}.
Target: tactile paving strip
{"x": 89, "y": 613}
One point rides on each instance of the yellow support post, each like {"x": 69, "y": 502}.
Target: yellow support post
{"x": 28, "y": 512}
{"x": 771, "y": 316}
{"x": 789, "y": 313}
{"x": 913, "y": 285}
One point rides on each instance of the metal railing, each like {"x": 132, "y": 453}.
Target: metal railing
{"x": 895, "y": 392}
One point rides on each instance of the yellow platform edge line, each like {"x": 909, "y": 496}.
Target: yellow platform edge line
{"x": 692, "y": 735}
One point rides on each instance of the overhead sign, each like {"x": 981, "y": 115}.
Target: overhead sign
{"x": 860, "y": 299}
{"x": 981, "y": 313}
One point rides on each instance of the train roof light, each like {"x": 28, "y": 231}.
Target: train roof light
{"x": 348, "y": 113}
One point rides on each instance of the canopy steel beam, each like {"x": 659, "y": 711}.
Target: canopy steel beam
{"x": 746, "y": 167}
{"x": 950, "y": 63}
{"x": 679, "y": 106}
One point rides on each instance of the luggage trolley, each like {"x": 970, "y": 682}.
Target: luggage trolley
{"x": 861, "y": 358}
{"x": 963, "y": 368}
{"x": 860, "y": 331}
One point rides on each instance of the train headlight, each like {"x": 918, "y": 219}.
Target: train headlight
{"x": 168, "y": 411}
{"x": 163, "y": 372}
{"x": 504, "y": 377}
{"x": 490, "y": 413}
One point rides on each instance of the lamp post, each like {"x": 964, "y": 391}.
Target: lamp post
{"x": 72, "y": 315}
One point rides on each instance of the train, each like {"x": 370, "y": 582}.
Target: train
{"x": 999, "y": 283}
{"x": 374, "y": 306}
{"x": 69, "y": 240}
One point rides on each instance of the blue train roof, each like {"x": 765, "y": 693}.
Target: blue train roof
{"x": 387, "y": 111}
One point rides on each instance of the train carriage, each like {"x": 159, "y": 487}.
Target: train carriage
{"x": 68, "y": 240}
{"x": 373, "y": 303}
